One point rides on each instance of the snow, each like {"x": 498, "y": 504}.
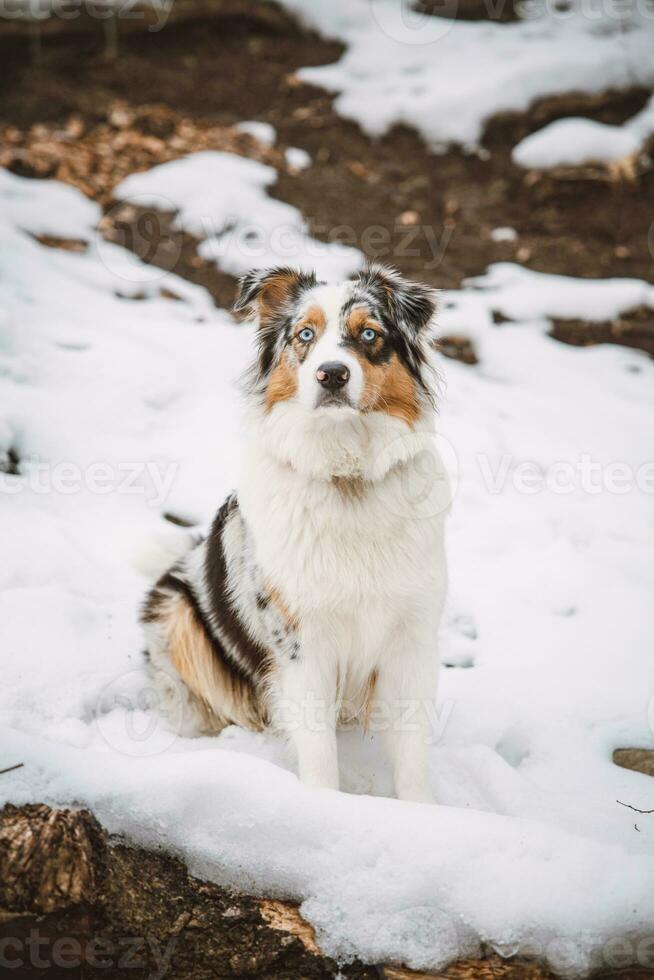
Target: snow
{"x": 447, "y": 77}
{"x": 123, "y": 410}
{"x": 297, "y": 158}
{"x": 222, "y": 199}
{"x": 572, "y": 141}
{"x": 66, "y": 213}
{"x": 525, "y": 295}
{"x": 262, "y": 131}
{"x": 504, "y": 234}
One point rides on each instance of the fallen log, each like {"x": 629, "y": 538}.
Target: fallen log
{"x": 76, "y": 904}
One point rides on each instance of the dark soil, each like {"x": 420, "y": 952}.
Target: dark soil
{"x": 633, "y": 329}
{"x": 430, "y": 215}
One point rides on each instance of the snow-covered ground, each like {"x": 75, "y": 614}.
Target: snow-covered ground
{"x": 121, "y": 405}
{"x": 569, "y": 142}
{"x": 447, "y": 77}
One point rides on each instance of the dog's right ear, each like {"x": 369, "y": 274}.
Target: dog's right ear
{"x": 267, "y": 292}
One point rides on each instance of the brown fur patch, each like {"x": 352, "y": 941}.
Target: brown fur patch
{"x": 314, "y": 317}
{"x": 389, "y": 388}
{"x": 350, "y": 487}
{"x": 228, "y": 698}
{"x": 368, "y": 698}
{"x": 282, "y": 383}
{"x": 290, "y": 619}
{"x": 357, "y": 319}
{"x": 275, "y": 291}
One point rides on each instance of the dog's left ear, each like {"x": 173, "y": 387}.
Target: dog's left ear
{"x": 411, "y": 306}
{"x": 266, "y": 292}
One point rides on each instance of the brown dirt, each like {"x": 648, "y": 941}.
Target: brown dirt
{"x": 635, "y": 328}
{"x": 237, "y": 61}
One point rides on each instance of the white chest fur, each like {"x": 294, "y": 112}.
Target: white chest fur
{"x": 373, "y": 534}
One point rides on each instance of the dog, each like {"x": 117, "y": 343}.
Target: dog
{"x": 316, "y": 596}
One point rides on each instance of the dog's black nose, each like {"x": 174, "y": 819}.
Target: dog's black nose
{"x": 332, "y": 375}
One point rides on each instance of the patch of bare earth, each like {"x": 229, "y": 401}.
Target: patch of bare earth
{"x": 640, "y": 760}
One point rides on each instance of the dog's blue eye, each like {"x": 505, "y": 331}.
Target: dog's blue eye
{"x": 306, "y": 335}
{"x": 368, "y": 335}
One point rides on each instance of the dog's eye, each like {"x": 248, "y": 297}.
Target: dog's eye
{"x": 368, "y": 335}
{"x": 306, "y": 335}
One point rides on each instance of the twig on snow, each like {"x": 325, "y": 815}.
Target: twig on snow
{"x": 634, "y": 808}
{"x": 18, "y": 765}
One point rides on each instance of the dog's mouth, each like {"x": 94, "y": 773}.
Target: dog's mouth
{"x": 333, "y": 399}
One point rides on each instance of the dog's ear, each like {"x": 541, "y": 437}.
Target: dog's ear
{"x": 411, "y": 306}
{"x": 267, "y": 292}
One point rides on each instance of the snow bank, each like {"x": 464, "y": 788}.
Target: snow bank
{"x": 57, "y": 209}
{"x": 521, "y": 294}
{"x": 569, "y": 142}
{"x": 551, "y": 582}
{"x": 447, "y": 77}
{"x": 222, "y": 199}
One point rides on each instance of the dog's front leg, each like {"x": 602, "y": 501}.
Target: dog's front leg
{"x": 307, "y": 712}
{"x": 406, "y": 684}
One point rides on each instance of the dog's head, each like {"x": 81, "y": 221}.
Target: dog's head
{"x": 360, "y": 346}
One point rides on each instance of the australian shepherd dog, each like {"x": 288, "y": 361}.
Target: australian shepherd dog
{"x": 316, "y": 596}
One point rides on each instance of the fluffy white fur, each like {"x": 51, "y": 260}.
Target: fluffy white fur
{"x": 366, "y": 577}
